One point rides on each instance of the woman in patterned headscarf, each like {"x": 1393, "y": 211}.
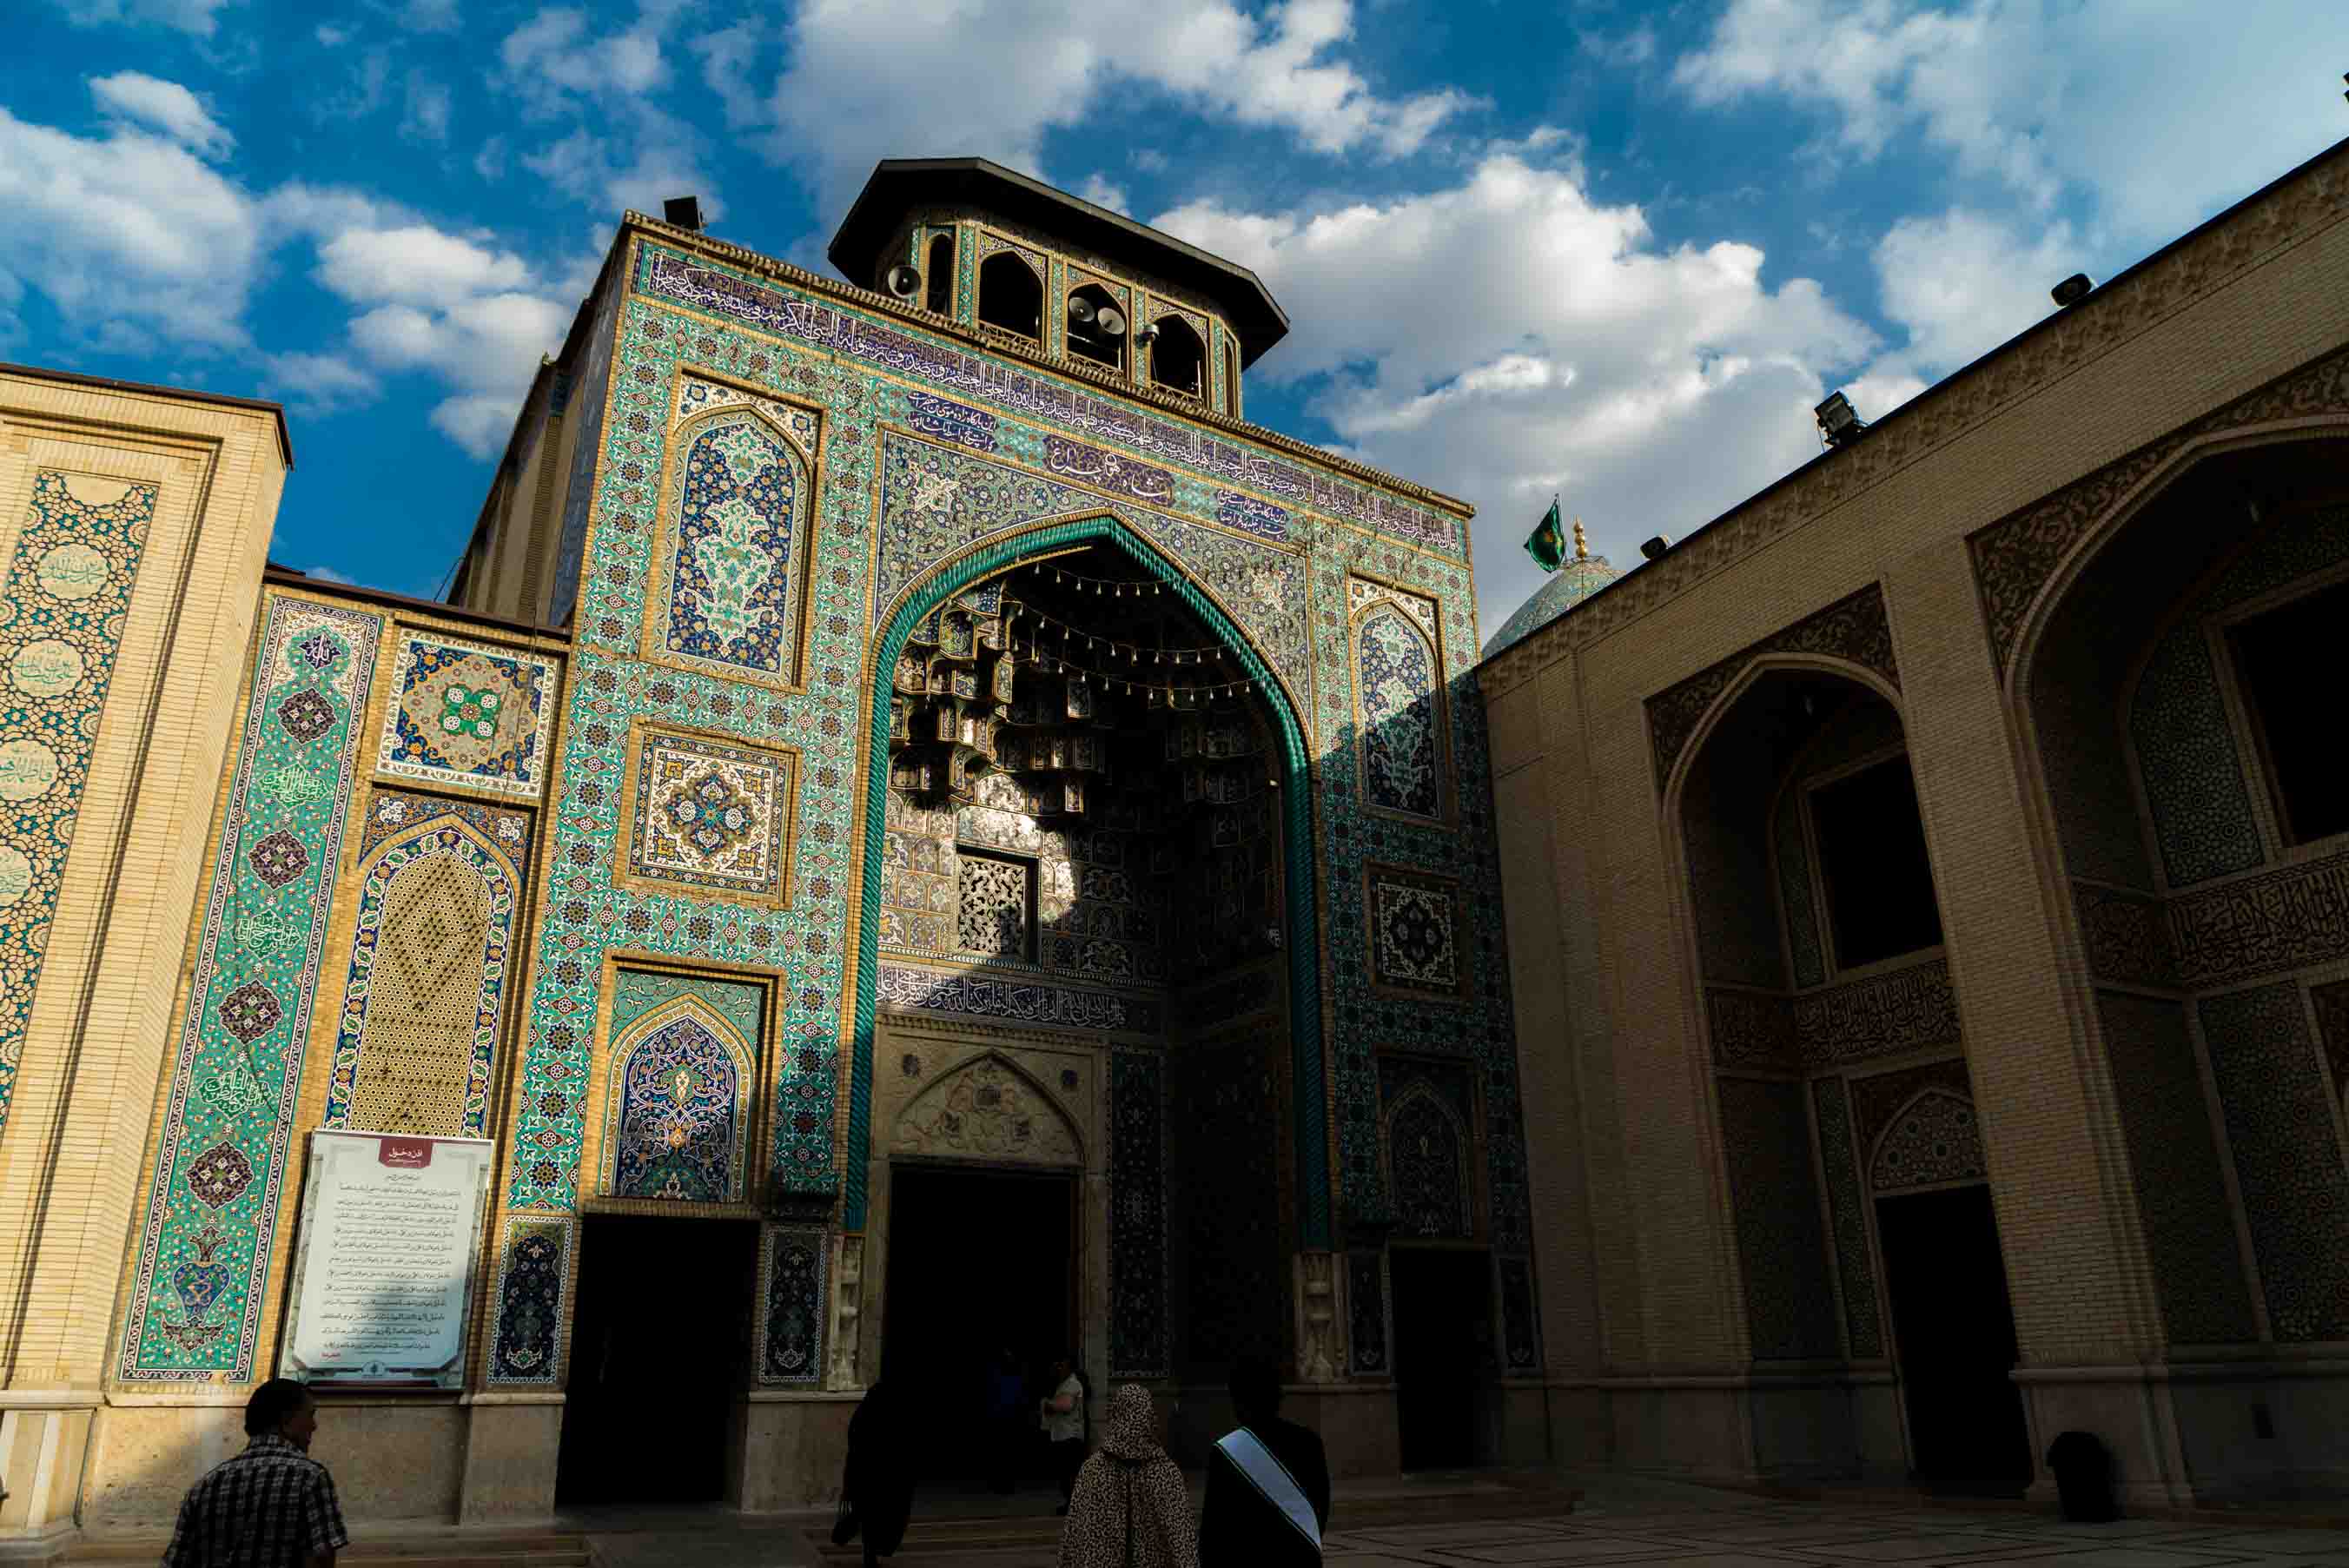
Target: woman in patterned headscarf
{"x": 1130, "y": 1510}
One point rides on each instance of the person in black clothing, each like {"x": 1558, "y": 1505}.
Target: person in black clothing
{"x": 1259, "y": 1492}
{"x": 879, "y": 1484}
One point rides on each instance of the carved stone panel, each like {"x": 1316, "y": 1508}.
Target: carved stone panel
{"x": 1933, "y": 1139}
{"x": 2125, "y": 935}
{"x": 1898, "y": 1010}
{"x": 2280, "y": 920}
{"x": 988, "y": 1109}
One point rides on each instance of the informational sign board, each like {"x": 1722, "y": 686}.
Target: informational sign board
{"x": 383, "y": 1274}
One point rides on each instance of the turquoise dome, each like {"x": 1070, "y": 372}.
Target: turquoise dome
{"x": 1568, "y": 586}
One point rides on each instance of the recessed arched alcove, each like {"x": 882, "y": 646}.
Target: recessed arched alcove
{"x": 1827, "y": 1003}
{"x": 2179, "y": 692}
{"x": 1089, "y": 807}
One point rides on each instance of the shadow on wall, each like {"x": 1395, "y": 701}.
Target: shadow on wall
{"x": 394, "y": 1456}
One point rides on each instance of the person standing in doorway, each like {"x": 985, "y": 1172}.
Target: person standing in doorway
{"x": 1268, "y": 1482}
{"x": 1064, "y": 1427}
{"x": 272, "y": 1506}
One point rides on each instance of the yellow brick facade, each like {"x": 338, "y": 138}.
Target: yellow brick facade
{"x": 97, "y": 1038}
{"x": 1650, "y": 1316}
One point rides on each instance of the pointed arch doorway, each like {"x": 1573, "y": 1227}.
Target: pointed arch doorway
{"x": 1087, "y": 852}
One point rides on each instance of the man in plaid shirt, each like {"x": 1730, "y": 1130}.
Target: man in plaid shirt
{"x": 273, "y": 1506}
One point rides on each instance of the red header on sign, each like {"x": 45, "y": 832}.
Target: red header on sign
{"x": 404, "y": 1153}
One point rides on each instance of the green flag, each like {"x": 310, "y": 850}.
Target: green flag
{"x": 1544, "y": 545}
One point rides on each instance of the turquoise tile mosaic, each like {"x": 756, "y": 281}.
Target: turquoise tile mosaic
{"x": 213, "y": 1204}
{"x": 465, "y": 713}
{"x": 931, "y": 451}
{"x": 62, "y": 612}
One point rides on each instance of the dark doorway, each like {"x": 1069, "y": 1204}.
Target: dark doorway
{"x": 2272, "y": 655}
{"x": 1956, "y": 1333}
{"x": 1443, "y": 1352}
{"x": 1872, "y": 856}
{"x": 659, "y": 1345}
{"x": 980, "y": 1262}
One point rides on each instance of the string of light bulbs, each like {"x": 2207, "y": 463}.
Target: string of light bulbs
{"x": 1212, "y": 652}
{"x": 1115, "y": 587}
{"x": 1034, "y": 657}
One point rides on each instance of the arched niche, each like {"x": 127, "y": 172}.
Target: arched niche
{"x": 1178, "y": 359}
{"x": 677, "y": 1102}
{"x": 2160, "y": 733}
{"x": 726, "y": 592}
{"x": 1401, "y": 749}
{"x": 429, "y": 965}
{"x": 1011, "y": 294}
{"x": 938, "y": 275}
{"x": 1089, "y": 338}
{"x": 1302, "y": 946}
{"x": 1428, "y": 1167}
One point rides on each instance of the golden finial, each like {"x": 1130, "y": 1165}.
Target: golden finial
{"x": 1581, "y": 545}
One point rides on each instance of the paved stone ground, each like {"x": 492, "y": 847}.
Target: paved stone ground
{"x": 1624, "y": 1522}
{"x": 1745, "y": 1533}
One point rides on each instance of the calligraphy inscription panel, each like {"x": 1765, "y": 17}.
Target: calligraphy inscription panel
{"x": 383, "y": 1277}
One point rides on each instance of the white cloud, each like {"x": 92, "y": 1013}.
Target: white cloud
{"x": 319, "y": 383}
{"x": 623, "y": 151}
{"x": 1510, "y": 336}
{"x": 1881, "y": 390}
{"x": 430, "y": 16}
{"x": 414, "y": 263}
{"x": 199, "y": 17}
{"x": 2156, "y": 109}
{"x": 488, "y": 347}
{"x": 332, "y": 37}
{"x": 167, "y": 107}
{"x": 610, "y": 173}
{"x": 490, "y": 162}
{"x": 128, "y": 232}
{"x": 426, "y": 118}
{"x": 726, "y": 59}
{"x": 141, "y": 247}
{"x": 555, "y": 54}
{"x": 1623, "y": 51}
{"x": 12, "y": 296}
{"x": 453, "y": 307}
{"x": 1965, "y": 282}
{"x": 1102, "y": 191}
{"x": 876, "y": 79}
{"x": 362, "y": 93}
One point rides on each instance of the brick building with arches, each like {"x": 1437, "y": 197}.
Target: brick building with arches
{"x": 1929, "y": 925}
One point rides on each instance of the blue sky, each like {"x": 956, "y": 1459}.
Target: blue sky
{"x": 1611, "y": 250}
